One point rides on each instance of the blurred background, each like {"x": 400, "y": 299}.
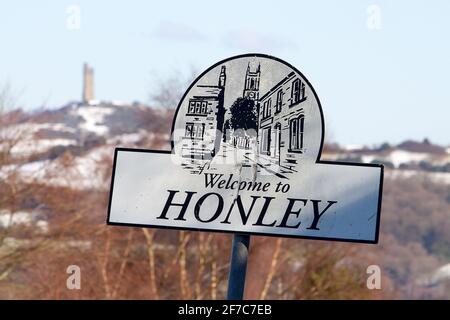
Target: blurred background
{"x": 79, "y": 78}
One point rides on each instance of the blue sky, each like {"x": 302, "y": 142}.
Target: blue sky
{"x": 388, "y": 82}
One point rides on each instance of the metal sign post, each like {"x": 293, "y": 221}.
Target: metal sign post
{"x": 238, "y": 266}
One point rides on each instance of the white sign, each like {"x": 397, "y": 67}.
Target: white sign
{"x": 246, "y": 143}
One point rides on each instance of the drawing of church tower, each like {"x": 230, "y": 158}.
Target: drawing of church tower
{"x": 251, "y": 86}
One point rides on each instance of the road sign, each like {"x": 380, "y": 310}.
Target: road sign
{"x": 246, "y": 143}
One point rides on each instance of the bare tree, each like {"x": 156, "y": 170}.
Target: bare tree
{"x": 13, "y": 247}
{"x": 169, "y": 90}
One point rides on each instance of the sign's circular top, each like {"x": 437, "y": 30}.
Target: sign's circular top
{"x": 250, "y": 110}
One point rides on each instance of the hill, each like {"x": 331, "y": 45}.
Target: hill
{"x": 55, "y": 167}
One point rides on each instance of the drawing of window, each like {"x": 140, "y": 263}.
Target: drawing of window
{"x": 204, "y": 107}
{"x": 195, "y": 130}
{"x": 265, "y": 141}
{"x": 188, "y": 132}
{"x": 191, "y": 107}
{"x": 201, "y": 131}
{"x": 266, "y": 108}
{"x": 279, "y": 101}
{"x": 298, "y": 91}
{"x": 197, "y": 107}
{"x": 296, "y": 127}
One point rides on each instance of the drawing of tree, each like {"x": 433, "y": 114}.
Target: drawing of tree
{"x": 244, "y": 116}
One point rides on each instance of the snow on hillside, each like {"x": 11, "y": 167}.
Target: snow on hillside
{"x": 128, "y": 139}
{"x": 29, "y": 128}
{"x": 8, "y": 219}
{"x": 22, "y": 137}
{"x": 90, "y": 133}
{"x": 83, "y": 172}
{"x": 441, "y": 275}
{"x": 422, "y": 156}
{"x": 86, "y": 164}
{"x": 352, "y": 147}
{"x": 93, "y": 117}
{"x": 437, "y": 177}
{"x": 32, "y": 146}
{"x": 398, "y": 157}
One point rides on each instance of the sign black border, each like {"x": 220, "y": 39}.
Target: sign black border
{"x": 380, "y": 193}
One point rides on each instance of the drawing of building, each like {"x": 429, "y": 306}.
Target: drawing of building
{"x": 267, "y": 128}
{"x": 204, "y": 119}
{"x": 282, "y": 122}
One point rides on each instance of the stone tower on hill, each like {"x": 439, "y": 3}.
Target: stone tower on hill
{"x": 88, "y": 83}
